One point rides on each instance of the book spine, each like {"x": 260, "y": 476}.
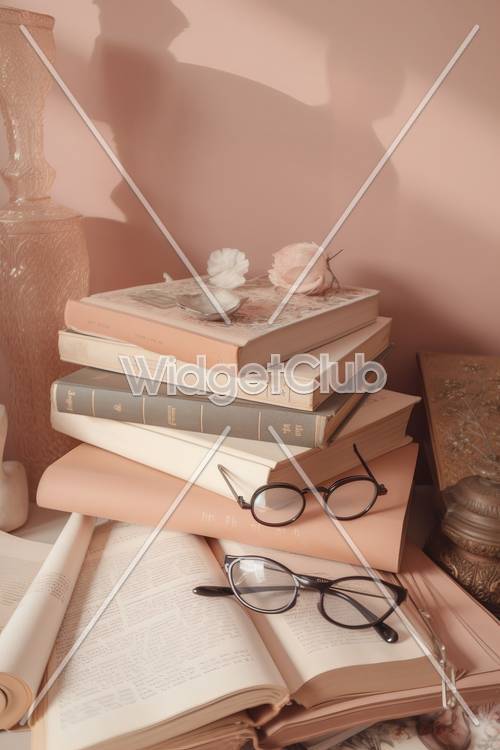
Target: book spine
{"x": 189, "y": 414}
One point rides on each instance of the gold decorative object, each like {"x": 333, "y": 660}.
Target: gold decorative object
{"x": 43, "y": 255}
{"x": 462, "y": 399}
{"x": 470, "y": 545}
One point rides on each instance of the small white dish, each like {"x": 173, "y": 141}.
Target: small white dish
{"x": 200, "y": 306}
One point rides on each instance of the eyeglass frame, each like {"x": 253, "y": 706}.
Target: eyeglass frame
{"x": 316, "y": 583}
{"x": 381, "y": 489}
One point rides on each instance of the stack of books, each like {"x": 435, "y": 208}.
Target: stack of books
{"x": 171, "y": 430}
{"x": 162, "y": 667}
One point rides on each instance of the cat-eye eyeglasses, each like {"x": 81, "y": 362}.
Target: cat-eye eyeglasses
{"x": 267, "y": 586}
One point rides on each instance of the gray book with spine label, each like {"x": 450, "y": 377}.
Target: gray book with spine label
{"x": 99, "y": 393}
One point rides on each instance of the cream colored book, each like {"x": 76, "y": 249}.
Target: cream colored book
{"x": 372, "y": 340}
{"x": 163, "y": 662}
{"x": 377, "y": 427}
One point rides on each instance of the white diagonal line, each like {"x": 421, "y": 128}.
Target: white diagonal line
{"x": 127, "y": 572}
{"x": 375, "y": 171}
{"x": 126, "y": 176}
{"x": 372, "y": 573}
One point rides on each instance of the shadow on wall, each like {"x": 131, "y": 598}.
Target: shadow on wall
{"x": 227, "y": 161}
{"x": 426, "y": 253}
{"x": 231, "y": 162}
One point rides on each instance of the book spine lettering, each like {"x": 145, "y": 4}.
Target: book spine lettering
{"x": 295, "y": 428}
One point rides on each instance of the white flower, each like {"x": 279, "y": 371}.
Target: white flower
{"x": 227, "y": 268}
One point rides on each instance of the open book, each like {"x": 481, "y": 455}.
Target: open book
{"x": 470, "y": 634}
{"x": 163, "y": 668}
{"x": 37, "y": 582}
{"x": 162, "y": 662}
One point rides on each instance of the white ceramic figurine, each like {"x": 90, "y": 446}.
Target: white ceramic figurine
{"x": 13, "y": 485}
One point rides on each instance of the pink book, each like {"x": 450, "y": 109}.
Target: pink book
{"x": 148, "y": 316}
{"x": 95, "y": 482}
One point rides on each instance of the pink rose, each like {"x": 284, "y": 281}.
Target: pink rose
{"x": 291, "y": 260}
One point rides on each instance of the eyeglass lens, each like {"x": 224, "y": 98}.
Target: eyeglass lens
{"x": 351, "y": 498}
{"x": 276, "y": 506}
{"x": 262, "y": 584}
{"x": 354, "y": 602}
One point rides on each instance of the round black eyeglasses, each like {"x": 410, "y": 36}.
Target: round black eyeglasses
{"x": 353, "y": 602}
{"x": 280, "y": 503}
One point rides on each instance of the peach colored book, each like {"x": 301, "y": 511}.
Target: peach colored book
{"x": 95, "y": 482}
{"x": 148, "y": 316}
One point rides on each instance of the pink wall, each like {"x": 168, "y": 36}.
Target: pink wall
{"x": 251, "y": 123}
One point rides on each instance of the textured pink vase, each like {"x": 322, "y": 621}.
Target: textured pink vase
{"x": 43, "y": 255}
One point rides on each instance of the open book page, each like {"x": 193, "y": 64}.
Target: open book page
{"x": 20, "y": 561}
{"x": 304, "y": 644}
{"x": 158, "y": 663}
{"x": 29, "y": 635}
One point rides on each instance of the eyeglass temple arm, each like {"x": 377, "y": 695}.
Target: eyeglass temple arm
{"x": 367, "y": 468}
{"x": 388, "y": 634}
{"x": 239, "y": 499}
{"x": 227, "y": 590}
{"x": 213, "y": 591}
